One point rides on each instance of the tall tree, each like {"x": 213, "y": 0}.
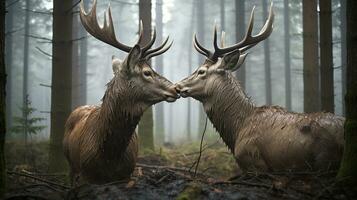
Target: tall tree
{"x": 76, "y": 83}
{"x": 61, "y": 95}
{"x": 240, "y": 28}
{"x": 348, "y": 172}
{"x": 159, "y": 108}
{"x": 8, "y": 51}
{"x": 2, "y": 100}
{"x": 287, "y": 55}
{"x": 190, "y": 50}
{"x": 326, "y": 59}
{"x": 310, "y": 54}
{"x": 222, "y": 15}
{"x": 146, "y": 125}
{"x": 200, "y": 5}
{"x": 343, "y": 50}
{"x": 268, "y": 91}
{"x": 83, "y": 49}
{"x": 26, "y": 63}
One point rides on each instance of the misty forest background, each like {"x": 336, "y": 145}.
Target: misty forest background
{"x": 273, "y": 73}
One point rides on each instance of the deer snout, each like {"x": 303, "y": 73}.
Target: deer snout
{"x": 183, "y": 91}
{"x": 171, "y": 94}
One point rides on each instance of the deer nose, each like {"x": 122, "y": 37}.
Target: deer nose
{"x": 178, "y": 88}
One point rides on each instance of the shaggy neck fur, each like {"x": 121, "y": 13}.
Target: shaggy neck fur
{"x": 118, "y": 116}
{"x": 227, "y": 107}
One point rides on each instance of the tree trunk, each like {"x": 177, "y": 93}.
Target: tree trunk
{"x": 343, "y": 51}
{"x": 201, "y": 36}
{"x": 311, "y": 64}
{"x": 190, "y": 51}
{"x": 76, "y": 81}
{"x": 222, "y": 15}
{"x": 146, "y": 125}
{"x": 61, "y": 95}
{"x": 326, "y": 59}
{"x": 348, "y": 172}
{"x": 25, "y": 71}
{"x": 287, "y": 55}
{"x": 159, "y": 108}
{"x": 240, "y": 29}
{"x": 2, "y": 100}
{"x": 268, "y": 92}
{"x": 8, "y": 49}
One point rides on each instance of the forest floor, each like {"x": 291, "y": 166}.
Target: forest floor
{"x": 169, "y": 173}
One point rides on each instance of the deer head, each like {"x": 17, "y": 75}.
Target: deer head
{"x": 220, "y": 63}
{"x": 149, "y": 86}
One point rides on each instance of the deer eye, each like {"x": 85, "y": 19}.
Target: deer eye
{"x": 201, "y": 71}
{"x": 147, "y": 73}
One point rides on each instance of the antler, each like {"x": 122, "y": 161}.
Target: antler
{"x": 248, "y": 41}
{"x": 107, "y": 34}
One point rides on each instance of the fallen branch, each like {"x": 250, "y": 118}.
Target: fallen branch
{"x": 37, "y": 178}
{"x": 184, "y": 169}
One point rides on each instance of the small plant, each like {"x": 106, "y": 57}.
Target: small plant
{"x": 27, "y": 124}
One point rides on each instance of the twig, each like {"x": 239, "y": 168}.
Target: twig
{"x": 39, "y": 185}
{"x": 12, "y": 3}
{"x": 184, "y": 169}
{"x": 74, "y": 5}
{"x": 44, "y": 52}
{"x": 199, "y": 156}
{"x": 37, "y": 178}
{"x": 38, "y": 37}
{"x": 38, "y": 12}
{"x": 25, "y": 195}
{"x": 243, "y": 183}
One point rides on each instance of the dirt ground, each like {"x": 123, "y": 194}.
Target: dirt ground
{"x": 168, "y": 173}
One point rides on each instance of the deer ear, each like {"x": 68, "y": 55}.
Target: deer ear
{"x": 133, "y": 57}
{"x": 116, "y": 64}
{"x": 232, "y": 61}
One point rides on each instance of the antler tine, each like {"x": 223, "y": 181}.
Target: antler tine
{"x": 105, "y": 34}
{"x": 151, "y": 42}
{"x": 156, "y": 53}
{"x": 158, "y": 48}
{"x": 141, "y": 30}
{"x": 215, "y": 45}
{"x": 200, "y": 48}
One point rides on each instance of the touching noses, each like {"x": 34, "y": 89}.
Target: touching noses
{"x": 181, "y": 90}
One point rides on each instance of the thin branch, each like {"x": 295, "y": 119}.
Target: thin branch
{"x": 199, "y": 156}
{"x": 74, "y": 5}
{"x": 124, "y": 2}
{"x": 12, "y": 3}
{"x": 184, "y": 169}
{"x": 44, "y": 52}
{"x": 38, "y": 12}
{"x": 38, "y": 37}
{"x": 45, "y": 85}
{"x": 13, "y": 31}
{"x": 37, "y": 178}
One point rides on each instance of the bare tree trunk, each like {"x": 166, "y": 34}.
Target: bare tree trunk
{"x": 8, "y": 49}
{"x": 190, "y": 49}
{"x": 159, "y": 108}
{"x": 311, "y": 64}
{"x": 326, "y": 59}
{"x": 268, "y": 91}
{"x": 343, "y": 52}
{"x": 348, "y": 172}
{"x": 222, "y": 15}
{"x": 146, "y": 125}
{"x": 25, "y": 71}
{"x": 76, "y": 82}
{"x": 240, "y": 29}
{"x": 61, "y": 95}
{"x": 201, "y": 36}
{"x": 2, "y": 100}
{"x": 287, "y": 55}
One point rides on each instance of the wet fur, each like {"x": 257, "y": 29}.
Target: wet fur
{"x": 270, "y": 138}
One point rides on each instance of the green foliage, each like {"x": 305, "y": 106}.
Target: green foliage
{"x": 27, "y": 124}
{"x": 192, "y": 190}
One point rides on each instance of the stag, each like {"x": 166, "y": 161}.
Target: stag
{"x": 100, "y": 142}
{"x": 267, "y": 138}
